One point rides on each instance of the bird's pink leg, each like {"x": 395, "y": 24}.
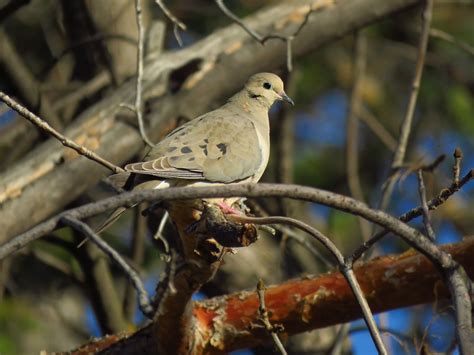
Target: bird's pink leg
{"x": 226, "y": 209}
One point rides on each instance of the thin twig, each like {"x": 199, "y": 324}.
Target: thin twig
{"x": 436, "y": 33}
{"x": 433, "y": 204}
{"x": 166, "y": 283}
{"x": 377, "y": 128}
{"x": 83, "y": 228}
{"x": 301, "y": 239}
{"x": 405, "y": 129}
{"x": 352, "y": 145}
{"x": 177, "y": 24}
{"x": 424, "y": 206}
{"x": 288, "y": 39}
{"x": 159, "y": 235}
{"x": 25, "y": 81}
{"x": 341, "y": 336}
{"x": 433, "y": 165}
{"x": 260, "y": 211}
{"x": 345, "y": 269}
{"x": 262, "y": 310}
{"x": 102, "y": 290}
{"x": 420, "y": 61}
{"x": 30, "y": 116}
{"x": 399, "y": 337}
{"x": 138, "y": 109}
{"x": 137, "y": 252}
{"x": 457, "y": 165}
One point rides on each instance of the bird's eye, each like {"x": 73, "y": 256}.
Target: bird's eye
{"x": 267, "y": 86}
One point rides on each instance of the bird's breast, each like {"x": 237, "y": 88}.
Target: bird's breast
{"x": 263, "y": 135}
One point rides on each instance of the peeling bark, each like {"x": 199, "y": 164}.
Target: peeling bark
{"x": 223, "y": 324}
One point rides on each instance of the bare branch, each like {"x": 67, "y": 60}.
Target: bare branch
{"x": 138, "y": 109}
{"x": 288, "y": 39}
{"x": 405, "y": 128}
{"x": 306, "y": 303}
{"x": 30, "y": 116}
{"x": 457, "y": 165}
{"x": 262, "y": 310}
{"x": 352, "y": 140}
{"x": 168, "y": 14}
{"x": 137, "y": 254}
{"x": 407, "y": 121}
{"x": 424, "y": 206}
{"x": 177, "y": 24}
{"x": 327, "y": 198}
{"x": 25, "y": 82}
{"x": 416, "y": 212}
{"x": 376, "y": 127}
{"x": 83, "y": 228}
{"x": 436, "y": 33}
{"x": 346, "y": 269}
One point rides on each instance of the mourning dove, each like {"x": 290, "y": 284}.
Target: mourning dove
{"x": 228, "y": 145}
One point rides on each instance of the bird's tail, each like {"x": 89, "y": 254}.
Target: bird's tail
{"x": 112, "y": 218}
{"x": 118, "y": 212}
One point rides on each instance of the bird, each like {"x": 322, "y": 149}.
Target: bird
{"x": 228, "y": 145}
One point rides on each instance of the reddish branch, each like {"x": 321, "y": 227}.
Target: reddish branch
{"x": 223, "y": 324}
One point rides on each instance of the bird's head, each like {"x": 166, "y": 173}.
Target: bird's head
{"x": 267, "y": 88}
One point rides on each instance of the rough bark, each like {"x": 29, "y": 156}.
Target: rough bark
{"x": 53, "y": 176}
{"x": 223, "y": 324}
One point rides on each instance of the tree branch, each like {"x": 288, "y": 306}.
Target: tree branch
{"x": 224, "y": 323}
{"x": 30, "y": 116}
{"x": 230, "y": 50}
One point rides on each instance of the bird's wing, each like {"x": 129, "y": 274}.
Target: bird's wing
{"x": 220, "y": 146}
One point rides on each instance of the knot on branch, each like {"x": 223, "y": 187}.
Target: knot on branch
{"x": 213, "y": 225}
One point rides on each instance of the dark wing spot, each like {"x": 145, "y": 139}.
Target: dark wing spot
{"x": 222, "y": 147}
{"x": 171, "y": 149}
{"x": 174, "y": 158}
{"x": 204, "y": 148}
{"x": 192, "y": 159}
{"x": 185, "y": 150}
{"x": 206, "y": 140}
{"x": 182, "y": 134}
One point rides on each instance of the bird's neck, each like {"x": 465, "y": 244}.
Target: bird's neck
{"x": 251, "y": 103}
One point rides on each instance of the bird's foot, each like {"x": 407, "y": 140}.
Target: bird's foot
{"x": 226, "y": 209}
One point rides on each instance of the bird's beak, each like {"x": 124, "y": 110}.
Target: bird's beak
{"x": 285, "y": 97}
